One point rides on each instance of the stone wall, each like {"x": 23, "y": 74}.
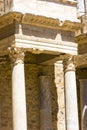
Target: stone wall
{"x": 33, "y": 96}
{"x": 5, "y": 96}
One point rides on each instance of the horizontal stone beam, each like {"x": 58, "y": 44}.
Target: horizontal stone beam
{"x": 46, "y": 47}
{"x": 79, "y": 60}
{"x": 51, "y": 60}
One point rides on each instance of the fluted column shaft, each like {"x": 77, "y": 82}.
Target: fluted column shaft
{"x": 18, "y": 90}
{"x": 70, "y": 95}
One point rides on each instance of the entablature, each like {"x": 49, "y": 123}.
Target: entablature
{"x": 22, "y": 38}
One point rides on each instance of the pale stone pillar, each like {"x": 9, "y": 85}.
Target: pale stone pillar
{"x": 18, "y": 90}
{"x": 45, "y": 104}
{"x": 70, "y": 95}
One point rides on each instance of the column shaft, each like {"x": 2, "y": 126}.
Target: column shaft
{"x": 71, "y": 96}
{"x": 18, "y": 91}
{"x": 45, "y": 105}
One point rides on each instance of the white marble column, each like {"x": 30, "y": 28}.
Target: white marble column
{"x": 18, "y": 90}
{"x": 70, "y": 95}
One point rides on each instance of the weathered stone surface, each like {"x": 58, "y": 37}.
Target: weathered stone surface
{"x": 45, "y": 103}
{"x": 49, "y": 70}
{"x": 59, "y": 81}
{"x": 32, "y": 71}
{"x": 32, "y": 96}
{"x": 5, "y": 96}
{"x": 40, "y": 29}
{"x": 82, "y": 94}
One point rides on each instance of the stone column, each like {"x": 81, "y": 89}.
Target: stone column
{"x": 18, "y": 90}
{"x": 45, "y": 104}
{"x": 70, "y": 95}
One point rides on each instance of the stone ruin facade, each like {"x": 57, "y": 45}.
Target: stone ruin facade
{"x": 43, "y": 65}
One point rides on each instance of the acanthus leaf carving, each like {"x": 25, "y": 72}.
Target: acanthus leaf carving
{"x": 16, "y": 54}
{"x": 69, "y": 63}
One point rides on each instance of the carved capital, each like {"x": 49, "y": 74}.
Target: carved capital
{"x": 69, "y": 64}
{"x": 16, "y": 55}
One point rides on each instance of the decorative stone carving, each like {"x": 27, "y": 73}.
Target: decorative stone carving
{"x": 69, "y": 63}
{"x": 16, "y": 55}
{"x": 10, "y": 18}
{"x": 50, "y": 22}
{"x": 41, "y": 21}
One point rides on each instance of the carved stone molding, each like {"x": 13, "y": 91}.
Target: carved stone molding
{"x": 16, "y": 55}
{"x": 69, "y": 64}
{"x": 10, "y": 18}
{"x": 40, "y": 21}
{"x": 43, "y": 21}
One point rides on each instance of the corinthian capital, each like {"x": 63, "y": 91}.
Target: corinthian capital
{"x": 69, "y": 64}
{"x": 16, "y": 55}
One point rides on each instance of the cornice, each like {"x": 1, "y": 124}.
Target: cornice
{"x": 40, "y": 21}
{"x": 10, "y": 18}
{"x": 51, "y": 23}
